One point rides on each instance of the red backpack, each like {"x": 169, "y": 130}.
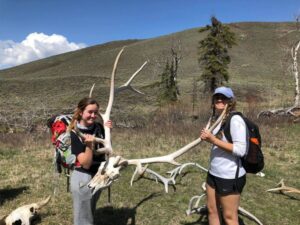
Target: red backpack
{"x": 61, "y": 139}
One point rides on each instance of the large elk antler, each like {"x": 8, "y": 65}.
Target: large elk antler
{"x": 110, "y": 170}
{"x": 107, "y": 170}
{"x": 170, "y": 158}
{"x": 107, "y": 149}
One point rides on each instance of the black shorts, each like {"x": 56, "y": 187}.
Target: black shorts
{"x": 226, "y": 186}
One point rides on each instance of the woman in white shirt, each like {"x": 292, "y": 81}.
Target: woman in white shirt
{"x": 226, "y": 177}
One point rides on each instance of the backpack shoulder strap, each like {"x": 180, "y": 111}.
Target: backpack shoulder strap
{"x": 226, "y": 126}
{"x": 75, "y": 133}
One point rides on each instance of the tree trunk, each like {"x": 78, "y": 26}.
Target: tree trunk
{"x": 296, "y": 74}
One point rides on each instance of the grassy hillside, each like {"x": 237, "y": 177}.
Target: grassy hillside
{"x": 257, "y": 69}
{"x": 259, "y": 77}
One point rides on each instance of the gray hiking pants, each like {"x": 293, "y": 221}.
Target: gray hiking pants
{"x": 84, "y": 203}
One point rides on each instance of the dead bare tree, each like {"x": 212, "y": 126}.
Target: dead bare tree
{"x": 295, "y": 109}
{"x": 297, "y": 19}
{"x": 29, "y": 120}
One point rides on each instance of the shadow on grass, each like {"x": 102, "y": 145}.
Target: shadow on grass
{"x": 203, "y": 220}
{"x": 120, "y": 216}
{"x": 287, "y": 196}
{"x": 8, "y": 194}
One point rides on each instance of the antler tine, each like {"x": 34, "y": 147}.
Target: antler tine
{"x": 127, "y": 84}
{"x": 163, "y": 179}
{"x": 249, "y": 215}
{"x": 91, "y": 90}
{"x": 106, "y": 115}
{"x": 179, "y": 169}
{"x": 43, "y": 202}
{"x": 193, "y": 206}
{"x": 112, "y": 83}
{"x": 141, "y": 170}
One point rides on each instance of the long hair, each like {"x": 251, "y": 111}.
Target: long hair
{"x": 83, "y": 103}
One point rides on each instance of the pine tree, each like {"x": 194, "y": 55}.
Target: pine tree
{"x": 213, "y": 54}
{"x": 169, "y": 90}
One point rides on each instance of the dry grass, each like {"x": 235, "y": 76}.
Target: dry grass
{"x": 27, "y": 174}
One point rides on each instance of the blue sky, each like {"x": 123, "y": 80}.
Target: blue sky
{"x": 35, "y": 25}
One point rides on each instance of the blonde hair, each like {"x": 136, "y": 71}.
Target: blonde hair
{"x": 83, "y": 103}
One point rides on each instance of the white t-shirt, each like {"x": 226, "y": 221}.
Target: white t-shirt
{"x": 223, "y": 164}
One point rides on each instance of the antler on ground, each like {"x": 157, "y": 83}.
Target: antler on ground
{"x": 165, "y": 180}
{"x": 194, "y": 208}
{"x": 156, "y": 176}
{"x": 284, "y": 189}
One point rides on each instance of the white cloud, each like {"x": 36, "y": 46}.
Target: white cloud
{"x": 35, "y": 46}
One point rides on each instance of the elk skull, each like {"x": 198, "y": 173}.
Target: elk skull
{"x": 108, "y": 172}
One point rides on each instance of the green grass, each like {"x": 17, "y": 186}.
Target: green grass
{"x": 27, "y": 176}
